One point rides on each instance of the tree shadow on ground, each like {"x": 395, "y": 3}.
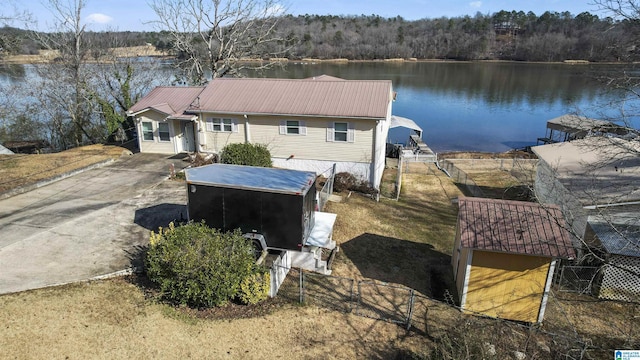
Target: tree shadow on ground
{"x": 412, "y": 264}
{"x": 153, "y": 217}
{"x": 517, "y": 192}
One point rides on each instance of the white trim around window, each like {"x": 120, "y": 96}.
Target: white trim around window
{"x": 340, "y": 131}
{"x": 147, "y": 130}
{"x": 293, "y": 127}
{"x": 164, "y": 134}
{"x": 221, "y": 125}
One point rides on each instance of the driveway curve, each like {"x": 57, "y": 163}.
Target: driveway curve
{"x": 87, "y": 225}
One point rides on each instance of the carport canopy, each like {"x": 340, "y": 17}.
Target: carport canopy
{"x": 399, "y": 121}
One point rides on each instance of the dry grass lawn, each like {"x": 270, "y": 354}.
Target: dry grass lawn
{"x": 20, "y": 169}
{"x": 405, "y": 243}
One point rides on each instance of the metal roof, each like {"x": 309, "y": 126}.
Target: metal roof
{"x": 581, "y": 126}
{"x": 5, "y": 151}
{"x": 575, "y": 123}
{"x": 324, "y": 96}
{"x": 252, "y": 178}
{"x": 169, "y": 100}
{"x": 399, "y": 121}
{"x": 596, "y": 170}
{"x": 513, "y": 227}
{"x": 619, "y": 235}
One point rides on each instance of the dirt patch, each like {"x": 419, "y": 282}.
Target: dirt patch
{"x": 20, "y": 170}
{"x": 518, "y": 154}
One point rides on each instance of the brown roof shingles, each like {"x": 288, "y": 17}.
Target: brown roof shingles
{"x": 304, "y": 97}
{"x": 514, "y": 227}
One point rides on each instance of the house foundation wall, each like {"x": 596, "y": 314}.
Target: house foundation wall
{"x": 361, "y": 171}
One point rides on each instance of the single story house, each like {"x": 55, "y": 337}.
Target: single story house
{"x": 504, "y": 256}
{"x": 307, "y": 124}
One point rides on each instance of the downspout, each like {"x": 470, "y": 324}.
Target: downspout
{"x": 196, "y": 133}
{"x": 247, "y": 130}
{"x": 375, "y": 159}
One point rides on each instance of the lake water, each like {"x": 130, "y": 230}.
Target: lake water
{"x": 468, "y": 106}
{"x": 481, "y": 106}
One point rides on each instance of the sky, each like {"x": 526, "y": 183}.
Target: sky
{"x": 136, "y": 15}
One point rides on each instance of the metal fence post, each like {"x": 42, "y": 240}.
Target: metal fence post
{"x": 411, "y": 300}
{"x": 301, "y": 288}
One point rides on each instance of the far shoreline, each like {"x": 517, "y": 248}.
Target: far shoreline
{"x": 48, "y": 59}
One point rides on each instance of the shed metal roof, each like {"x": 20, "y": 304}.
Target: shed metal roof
{"x": 252, "y": 178}
{"x": 513, "y": 227}
{"x": 325, "y": 96}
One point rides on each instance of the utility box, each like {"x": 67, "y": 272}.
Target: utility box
{"x": 278, "y": 204}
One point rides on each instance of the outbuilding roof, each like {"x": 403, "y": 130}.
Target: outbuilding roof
{"x": 322, "y": 96}
{"x": 252, "y": 178}
{"x": 513, "y": 227}
{"x": 596, "y": 170}
{"x": 619, "y": 234}
{"x": 581, "y": 126}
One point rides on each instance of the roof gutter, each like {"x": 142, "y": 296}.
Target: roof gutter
{"x": 603, "y": 206}
{"x": 144, "y": 110}
{"x": 277, "y": 114}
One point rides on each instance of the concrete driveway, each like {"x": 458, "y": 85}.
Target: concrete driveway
{"x": 87, "y": 225}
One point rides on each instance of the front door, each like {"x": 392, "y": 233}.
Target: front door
{"x": 188, "y": 140}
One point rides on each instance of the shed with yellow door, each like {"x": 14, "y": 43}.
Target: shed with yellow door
{"x": 504, "y": 256}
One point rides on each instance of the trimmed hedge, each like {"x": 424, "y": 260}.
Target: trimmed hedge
{"x": 198, "y": 266}
{"x": 246, "y": 154}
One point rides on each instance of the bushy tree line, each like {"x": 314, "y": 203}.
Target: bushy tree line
{"x": 504, "y": 35}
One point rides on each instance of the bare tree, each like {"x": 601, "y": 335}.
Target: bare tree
{"x": 213, "y": 37}
{"x": 65, "y": 91}
{"x": 121, "y": 81}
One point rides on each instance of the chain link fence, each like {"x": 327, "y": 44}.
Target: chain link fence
{"x": 384, "y": 301}
{"x": 578, "y": 279}
{"x": 327, "y": 189}
{"x": 461, "y": 177}
{"x": 372, "y": 299}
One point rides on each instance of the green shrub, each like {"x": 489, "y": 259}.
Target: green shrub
{"x": 199, "y": 266}
{"x": 255, "y": 288}
{"x": 246, "y": 154}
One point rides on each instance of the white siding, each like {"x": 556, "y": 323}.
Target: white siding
{"x": 323, "y": 167}
{"x": 314, "y": 145}
{"x": 155, "y": 145}
{"x": 214, "y": 142}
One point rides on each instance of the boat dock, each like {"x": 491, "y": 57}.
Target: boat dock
{"x": 415, "y": 150}
{"x": 418, "y": 151}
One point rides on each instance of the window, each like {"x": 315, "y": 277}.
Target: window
{"x": 341, "y": 132}
{"x": 163, "y": 132}
{"x": 221, "y": 125}
{"x": 292, "y": 127}
{"x": 147, "y": 131}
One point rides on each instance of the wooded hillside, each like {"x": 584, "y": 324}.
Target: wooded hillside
{"x": 504, "y": 35}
